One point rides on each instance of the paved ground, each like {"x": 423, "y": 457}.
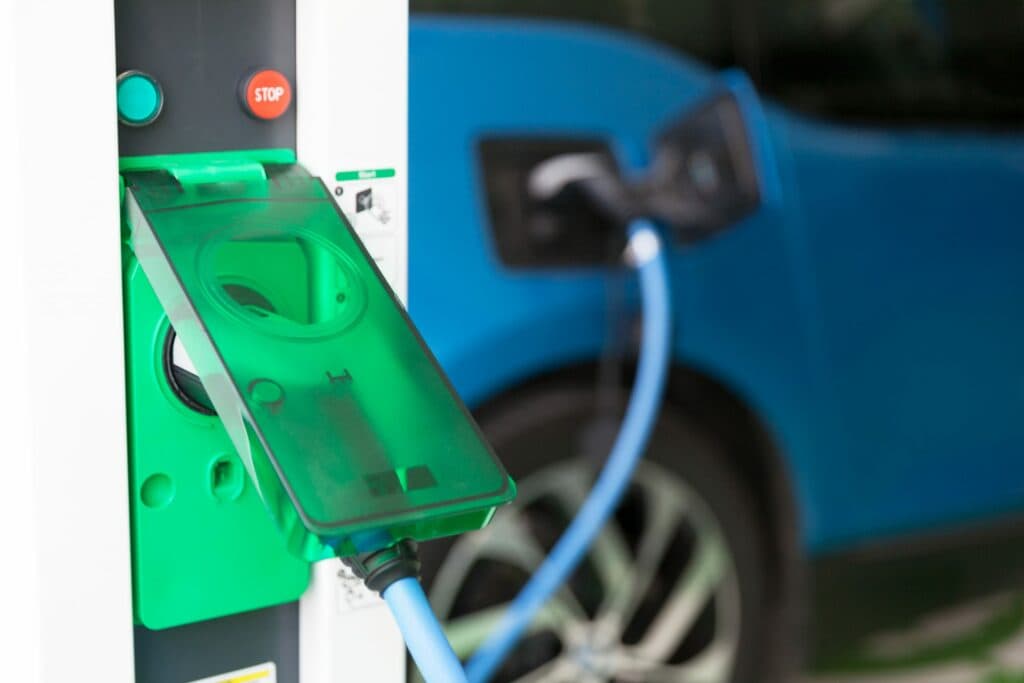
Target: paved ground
{"x": 981, "y": 642}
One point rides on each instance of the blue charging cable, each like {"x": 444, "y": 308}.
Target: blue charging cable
{"x": 423, "y": 635}
{"x": 422, "y": 632}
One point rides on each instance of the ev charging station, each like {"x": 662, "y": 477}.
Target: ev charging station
{"x": 223, "y": 394}
{"x": 346, "y": 64}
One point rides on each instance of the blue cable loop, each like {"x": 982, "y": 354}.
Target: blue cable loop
{"x": 629, "y": 447}
{"x": 425, "y": 639}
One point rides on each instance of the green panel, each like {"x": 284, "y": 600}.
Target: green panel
{"x": 203, "y": 543}
{"x": 346, "y": 423}
{"x": 209, "y": 163}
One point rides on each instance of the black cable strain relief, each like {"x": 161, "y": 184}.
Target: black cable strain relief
{"x": 381, "y": 568}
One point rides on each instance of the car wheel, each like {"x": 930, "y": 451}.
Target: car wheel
{"x": 672, "y": 589}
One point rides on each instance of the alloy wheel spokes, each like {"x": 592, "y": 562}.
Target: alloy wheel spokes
{"x": 664, "y": 510}
{"x": 468, "y": 632}
{"x": 507, "y": 540}
{"x": 567, "y": 486}
{"x": 562, "y": 669}
{"x": 713, "y": 665}
{"x": 592, "y": 647}
{"x": 687, "y": 600}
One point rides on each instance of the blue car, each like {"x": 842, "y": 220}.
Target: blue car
{"x": 836, "y": 482}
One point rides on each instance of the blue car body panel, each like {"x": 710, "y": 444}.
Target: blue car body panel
{"x": 872, "y": 318}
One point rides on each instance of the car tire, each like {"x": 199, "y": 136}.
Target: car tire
{"x": 544, "y": 431}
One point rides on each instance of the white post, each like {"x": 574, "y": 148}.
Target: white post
{"x": 63, "y": 412}
{"x": 352, "y": 107}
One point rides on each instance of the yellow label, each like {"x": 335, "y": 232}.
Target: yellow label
{"x": 262, "y": 673}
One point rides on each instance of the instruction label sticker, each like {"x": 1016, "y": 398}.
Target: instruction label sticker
{"x": 369, "y": 200}
{"x": 353, "y": 594}
{"x": 261, "y": 673}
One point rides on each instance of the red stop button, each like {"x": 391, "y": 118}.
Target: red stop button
{"x": 267, "y": 94}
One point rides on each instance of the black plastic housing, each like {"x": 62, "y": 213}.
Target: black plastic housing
{"x": 704, "y": 177}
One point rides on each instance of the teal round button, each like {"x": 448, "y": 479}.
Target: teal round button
{"x": 139, "y": 98}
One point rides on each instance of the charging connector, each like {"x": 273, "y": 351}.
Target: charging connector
{"x": 381, "y": 568}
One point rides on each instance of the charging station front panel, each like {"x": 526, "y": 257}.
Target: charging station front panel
{"x": 214, "y": 586}
{"x": 248, "y": 80}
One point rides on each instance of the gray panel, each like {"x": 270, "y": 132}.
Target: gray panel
{"x": 217, "y": 646}
{"x": 200, "y": 51}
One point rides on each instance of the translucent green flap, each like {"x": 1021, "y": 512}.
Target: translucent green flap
{"x": 348, "y": 427}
